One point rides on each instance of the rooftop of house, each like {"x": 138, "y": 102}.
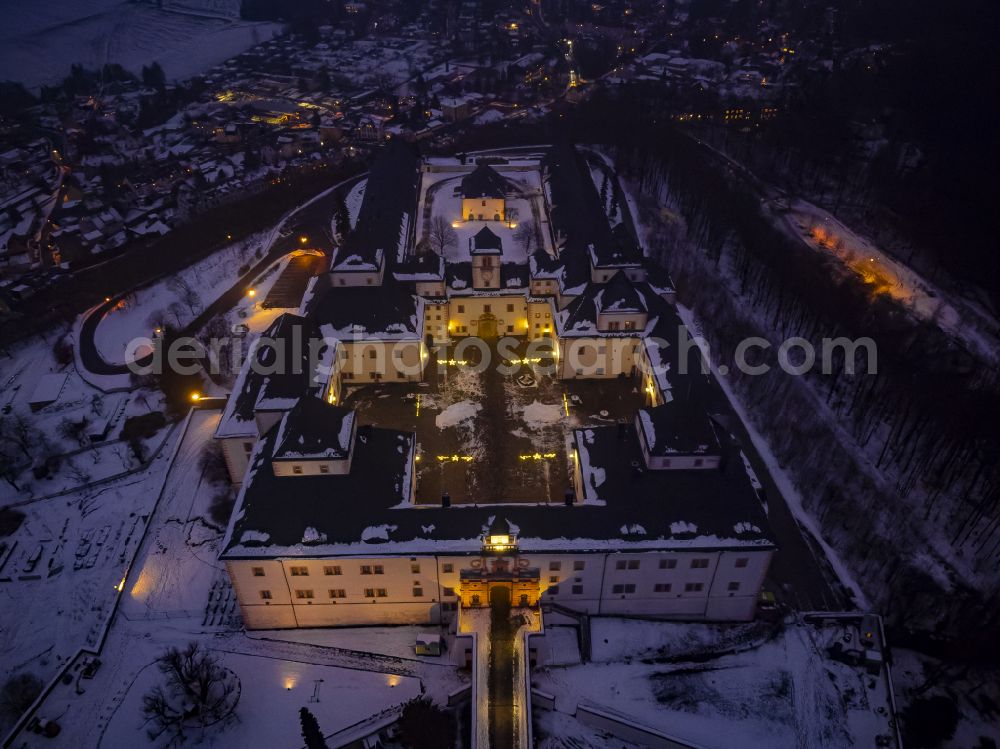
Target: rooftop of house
{"x": 390, "y": 199}
{"x": 484, "y": 182}
{"x": 678, "y": 428}
{"x": 577, "y": 215}
{"x": 386, "y": 312}
{"x": 367, "y": 512}
{"x": 619, "y": 295}
{"x": 315, "y": 429}
{"x": 280, "y": 368}
{"x": 485, "y": 242}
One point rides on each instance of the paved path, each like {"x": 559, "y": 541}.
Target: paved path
{"x": 311, "y": 221}
{"x": 501, "y": 677}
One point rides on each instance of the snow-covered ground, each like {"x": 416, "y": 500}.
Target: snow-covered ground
{"x": 208, "y": 278}
{"x": 175, "y": 593}
{"x": 39, "y": 41}
{"x": 444, "y": 191}
{"x": 960, "y": 318}
{"x": 81, "y": 461}
{"x": 783, "y": 692}
{"x": 271, "y": 693}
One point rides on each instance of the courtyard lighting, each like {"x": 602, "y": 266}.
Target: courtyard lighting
{"x": 251, "y": 293}
{"x": 303, "y": 239}
{"x": 195, "y": 396}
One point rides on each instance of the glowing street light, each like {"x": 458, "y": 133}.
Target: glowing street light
{"x": 251, "y": 293}
{"x": 195, "y": 397}
{"x": 303, "y": 239}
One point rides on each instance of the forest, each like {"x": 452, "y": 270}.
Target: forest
{"x": 901, "y": 468}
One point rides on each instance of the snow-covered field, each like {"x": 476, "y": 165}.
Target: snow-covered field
{"x": 39, "y": 40}
{"x": 780, "y": 692}
{"x": 271, "y": 693}
{"x": 207, "y": 279}
{"x": 443, "y": 189}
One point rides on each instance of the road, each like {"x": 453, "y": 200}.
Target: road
{"x": 310, "y": 222}
{"x": 503, "y": 730}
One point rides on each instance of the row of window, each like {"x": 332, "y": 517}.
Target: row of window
{"x": 698, "y": 563}
{"x": 553, "y": 590}
{"x": 305, "y": 594}
{"x": 336, "y": 569}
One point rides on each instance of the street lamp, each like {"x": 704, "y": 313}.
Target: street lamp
{"x": 303, "y": 239}
{"x": 195, "y": 397}
{"x": 251, "y": 293}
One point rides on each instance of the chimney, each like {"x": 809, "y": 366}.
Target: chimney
{"x": 445, "y": 499}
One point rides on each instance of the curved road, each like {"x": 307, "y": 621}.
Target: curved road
{"x": 311, "y": 221}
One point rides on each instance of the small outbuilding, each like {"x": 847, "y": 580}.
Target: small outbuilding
{"x": 428, "y": 644}
{"x": 47, "y": 391}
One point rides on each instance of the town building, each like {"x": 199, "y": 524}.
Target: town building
{"x": 663, "y": 517}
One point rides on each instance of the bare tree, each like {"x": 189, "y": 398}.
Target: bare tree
{"x": 158, "y": 320}
{"x": 524, "y": 235}
{"x": 511, "y": 215}
{"x": 185, "y": 293}
{"x": 73, "y": 429}
{"x": 11, "y": 466}
{"x": 78, "y": 474}
{"x": 22, "y": 433}
{"x": 441, "y": 236}
{"x": 18, "y": 693}
{"x": 197, "y": 692}
{"x": 176, "y": 309}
